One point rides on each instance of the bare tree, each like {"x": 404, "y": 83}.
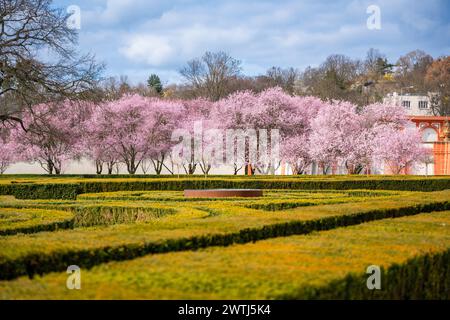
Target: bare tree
{"x": 411, "y": 70}
{"x": 284, "y": 78}
{"x": 376, "y": 65}
{"x": 211, "y": 73}
{"x": 334, "y": 79}
{"x": 30, "y": 30}
{"x": 437, "y": 80}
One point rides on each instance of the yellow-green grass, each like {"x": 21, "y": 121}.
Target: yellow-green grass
{"x": 195, "y": 225}
{"x": 287, "y": 267}
{"x": 13, "y": 220}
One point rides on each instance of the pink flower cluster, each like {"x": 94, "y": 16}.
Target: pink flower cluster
{"x": 137, "y": 132}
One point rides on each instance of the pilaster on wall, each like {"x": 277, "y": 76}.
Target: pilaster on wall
{"x": 441, "y": 152}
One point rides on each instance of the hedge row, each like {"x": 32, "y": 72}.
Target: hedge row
{"x": 421, "y": 278}
{"x": 277, "y": 206}
{"x": 40, "y": 264}
{"x": 41, "y": 191}
{"x": 53, "y": 226}
{"x": 95, "y": 216}
{"x": 88, "y": 216}
{"x": 201, "y": 176}
{"x": 14, "y": 220}
{"x": 407, "y": 185}
{"x": 109, "y": 215}
{"x": 292, "y": 204}
{"x": 71, "y": 190}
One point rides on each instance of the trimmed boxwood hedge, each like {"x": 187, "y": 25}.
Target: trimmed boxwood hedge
{"x": 53, "y": 226}
{"x": 71, "y": 190}
{"x": 420, "y": 278}
{"x": 93, "y": 215}
{"x": 39, "y": 264}
{"x": 108, "y": 215}
{"x": 31, "y": 220}
{"x": 276, "y": 206}
{"x": 41, "y": 191}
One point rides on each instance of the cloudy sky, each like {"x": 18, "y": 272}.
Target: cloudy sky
{"x": 140, "y": 37}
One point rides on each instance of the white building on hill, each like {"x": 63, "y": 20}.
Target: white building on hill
{"x": 415, "y": 105}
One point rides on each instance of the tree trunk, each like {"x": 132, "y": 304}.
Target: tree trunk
{"x": 57, "y": 166}
{"x": 158, "y": 165}
{"x": 131, "y": 165}
{"x": 191, "y": 168}
{"x": 98, "y": 166}
{"x": 236, "y": 169}
{"x": 205, "y": 168}
{"x": 297, "y": 169}
{"x": 49, "y": 166}
{"x": 172, "y": 171}
{"x": 110, "y": 166}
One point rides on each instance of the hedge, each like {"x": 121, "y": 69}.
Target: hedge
{"x": 277, "y": 206}
{"x": 71, "y": 190}
{"x": 420, "y": 278}
{"x": 53, "y": 226}
{"x": 31, "y": 220}
{"x": 87, "y": 216}
{"x": 32, "y": 264}
{"x": 41, "y": 191}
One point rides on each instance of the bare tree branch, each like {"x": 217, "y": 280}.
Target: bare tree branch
{"x": 27, "y": 28}
{"x": 210, "y": 74}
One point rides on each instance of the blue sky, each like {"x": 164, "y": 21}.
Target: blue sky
{"x": 140, "y": 37}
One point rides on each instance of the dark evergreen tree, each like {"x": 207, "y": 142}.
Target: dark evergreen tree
{"x": 154, "y": 82}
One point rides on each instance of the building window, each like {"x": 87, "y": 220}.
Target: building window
{"x": 423, "y": 104}
{"x": 406, "y": 104}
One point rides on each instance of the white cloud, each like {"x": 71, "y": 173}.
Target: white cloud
{"x": 162, "y": 35}
{"x": 160, "y": 47}
{"x": 150, "y": 49}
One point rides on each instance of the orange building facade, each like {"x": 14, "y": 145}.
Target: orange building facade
{"x": 436, "y": 134}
